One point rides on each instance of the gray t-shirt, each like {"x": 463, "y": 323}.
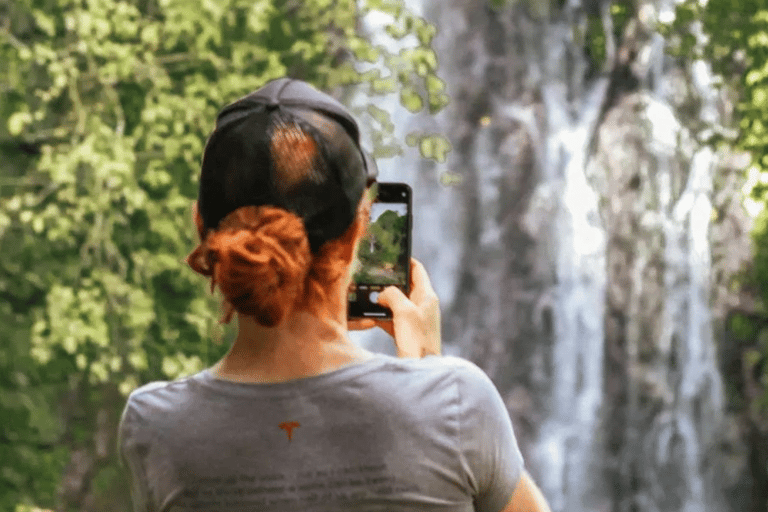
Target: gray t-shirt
{"x": 387, "y": 434}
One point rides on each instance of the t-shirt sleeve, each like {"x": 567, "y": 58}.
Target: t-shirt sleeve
{"x": 489, "y": 448}
{"x": 129, "y": 446}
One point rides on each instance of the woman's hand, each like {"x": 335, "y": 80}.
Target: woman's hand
{"x": 415, "y": 323}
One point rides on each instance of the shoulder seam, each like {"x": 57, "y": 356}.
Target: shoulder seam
{"x": 463, "y": 462}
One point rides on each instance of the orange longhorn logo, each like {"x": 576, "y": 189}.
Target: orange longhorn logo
{"x": 288, "y": 426}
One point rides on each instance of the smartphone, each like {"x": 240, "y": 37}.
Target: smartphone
{"x": 384, "y": 253}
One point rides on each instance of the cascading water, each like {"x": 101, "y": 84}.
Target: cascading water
{"x": 567, "y": 437}
{"x": 696, "y": 410}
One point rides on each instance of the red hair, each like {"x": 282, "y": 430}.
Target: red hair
{"x": 260, "y": 258}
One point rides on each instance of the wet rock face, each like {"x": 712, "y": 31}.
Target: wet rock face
{"x": 662, "y": 441}
{"x": 502, "y": 315}
{"x": 643, "y": 365}
{"x": 634, "y": 291}
{"x": 643, "y": 378}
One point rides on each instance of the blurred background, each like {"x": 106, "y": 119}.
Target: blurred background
{"x": 589, "y": 196}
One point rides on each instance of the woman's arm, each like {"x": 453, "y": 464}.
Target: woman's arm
{"x": 527, "y": 497}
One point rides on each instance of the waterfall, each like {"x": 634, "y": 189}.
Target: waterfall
{"x": 570, "y": 225}
{"x": 687, "y": 314}
{"x": 567, "y": 437}
{"x": 686, "y": 427}
{"x": 696, "y": 412}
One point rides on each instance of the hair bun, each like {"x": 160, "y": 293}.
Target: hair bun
{"x": 259, "y": 256}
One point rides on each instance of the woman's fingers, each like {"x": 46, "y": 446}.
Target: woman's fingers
{"x": 393, "y": 298}
{"x": 415, "y": 319}
{"x": 360, "y": 324}
{"x": 421, "y": 286}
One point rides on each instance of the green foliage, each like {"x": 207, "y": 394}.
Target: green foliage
{"x": 32, "y": 460}
{"x": 731, "y": 35}
{"x": 106, "y": 107}
{"x": 595, "y": 39}
{"x": 742, "y": 327}
{"x": 431, "y": 145}
{"x": 756, "y": 358}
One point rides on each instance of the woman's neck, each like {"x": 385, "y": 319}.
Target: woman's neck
{"x": 302, "y": 345}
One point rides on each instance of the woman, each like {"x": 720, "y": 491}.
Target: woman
{"x": 296, "y": 416}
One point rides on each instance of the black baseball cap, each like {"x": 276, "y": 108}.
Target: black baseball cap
{"x": 287, "y": 145}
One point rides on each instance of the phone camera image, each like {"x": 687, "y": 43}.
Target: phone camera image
{"x": 384, "y": 253}
{"x": 380, "y": 254}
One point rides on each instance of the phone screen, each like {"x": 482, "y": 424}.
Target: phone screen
{"x": 383, "y": 256}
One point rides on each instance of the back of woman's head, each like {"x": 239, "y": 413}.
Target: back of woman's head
{"x": 278, "y": 212}
{"x": 261, "y": 261}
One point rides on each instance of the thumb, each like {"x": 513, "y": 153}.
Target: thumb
{"x": 393, "y": 298}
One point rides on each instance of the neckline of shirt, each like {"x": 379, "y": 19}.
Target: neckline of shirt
{"x": 344, "y": 373}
